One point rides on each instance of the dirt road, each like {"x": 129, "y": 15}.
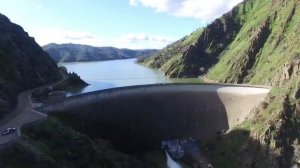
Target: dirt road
{"x": 22, "y": 114}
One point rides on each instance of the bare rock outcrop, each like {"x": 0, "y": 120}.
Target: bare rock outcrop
{"x": 260, "y": 36}
{"x": 198, "y": 58}
{"x": 285, "y": 73}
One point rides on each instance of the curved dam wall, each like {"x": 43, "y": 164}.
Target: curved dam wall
{"x": 139, "y": 117}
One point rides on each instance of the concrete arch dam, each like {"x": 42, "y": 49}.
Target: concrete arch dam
{"x": 137, "y": 118}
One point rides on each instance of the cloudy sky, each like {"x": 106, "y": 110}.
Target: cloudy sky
{"x": 132, "y": 24}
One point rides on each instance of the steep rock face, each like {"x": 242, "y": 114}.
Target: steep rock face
{"x": 259, "y": 38}
{"x": 281, "y": 133}
{"x": 287, "y": 72}
{"x": 268, "y": 55}
{"x": 81, "y": 53}
{"x": 168, "y": 59}
{"x": 214, "y": 39}
{"x": 23, "y": 64}
{"x": 242, "y": 41}
{"x": 267, "y": 40}
{"x": 195, "y": 58}
{"x": 264, "y": 51}
{"x": 270, "y": 136}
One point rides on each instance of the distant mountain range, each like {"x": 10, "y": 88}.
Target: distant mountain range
{"x": 82, "y": 53}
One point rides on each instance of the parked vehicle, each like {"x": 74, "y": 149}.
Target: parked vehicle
{"x": 8, "y": 131}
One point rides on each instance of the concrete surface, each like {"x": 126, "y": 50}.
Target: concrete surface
{"x": 131, "y": 116}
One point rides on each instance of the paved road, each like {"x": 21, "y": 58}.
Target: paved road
{"x": 22, "y": 114}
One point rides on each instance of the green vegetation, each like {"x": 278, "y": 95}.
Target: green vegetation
{"x": 83, "y": 53}
{"x": 225, "y": 149}
{"x": 279, "y": 48}
{"x": 195, "y": 54}
{"x": 257, "y": 42}
{"x": 192, "y": 38}
{"x": 23, "y": 64}
{"x": 53, "y": 144}
{"x": 171, "y": 55}
{"x": 73, "y": 82}
{"x": 264, "y": 49}
{"x": 262, "y": 40}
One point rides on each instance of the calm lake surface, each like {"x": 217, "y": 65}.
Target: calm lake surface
{"x": 118, "y": 73}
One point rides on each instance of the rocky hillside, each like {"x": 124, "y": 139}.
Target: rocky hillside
{"x": 81, "y": 53}
{"x": 172, "y": 53}
{"x": 23, "y": 64}
{"x": 257, "y": 42}
{"x": 196, "y": 53}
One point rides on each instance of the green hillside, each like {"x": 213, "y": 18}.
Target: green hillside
{"x": 85, "y": 53}
{"x": 258, "y": 42}
{"x": 54, "y": 144}
{"x": 171, "y": 53}
{"x": 23, "y": 64}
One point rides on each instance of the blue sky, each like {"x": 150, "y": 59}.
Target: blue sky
{"x": 120, "y": 23}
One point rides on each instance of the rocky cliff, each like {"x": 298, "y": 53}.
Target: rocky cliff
{"x": 82, "y": 53}
{"x": 256, "y": 43}
{"x": 196, "y": 53}
{"x": 23, "y": 64}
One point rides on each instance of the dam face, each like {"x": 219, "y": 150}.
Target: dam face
{"x": 136, "y": 119}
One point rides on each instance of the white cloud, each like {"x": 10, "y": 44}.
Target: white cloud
{"x": 138, "y": 37}
{"x": 133, "y": 38}
{"x": 133, "y": 2}
{"x": 54, "y": 35}
{"x": 129, "y": 40}
{"x": 37, "y": 4}
{"x": 201, "y": 9}
{"x": 142, "y": 40}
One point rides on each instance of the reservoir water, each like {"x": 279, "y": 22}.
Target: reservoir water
{"x": 117, "y": 73}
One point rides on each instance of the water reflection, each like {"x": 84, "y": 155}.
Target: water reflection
{"x": 118, "y": 73}
{"x": 93, "y": 86}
